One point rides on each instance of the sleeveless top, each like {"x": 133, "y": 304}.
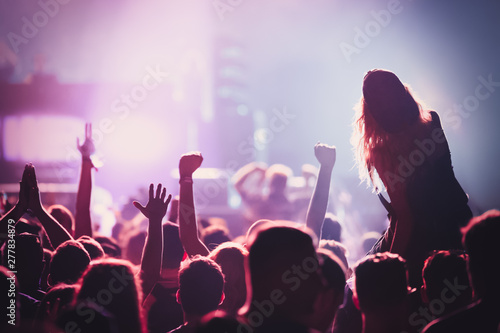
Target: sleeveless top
{"x": 436, "y": 202}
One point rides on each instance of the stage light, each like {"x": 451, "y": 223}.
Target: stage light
{"x": 136, "y": 141}
{"x": 29, "y": 138}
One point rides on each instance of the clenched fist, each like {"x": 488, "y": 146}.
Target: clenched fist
{"x": 189, "y": 163}
{"x": 325, "y": 154}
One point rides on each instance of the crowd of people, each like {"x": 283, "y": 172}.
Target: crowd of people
{"x": 435, "y": 269}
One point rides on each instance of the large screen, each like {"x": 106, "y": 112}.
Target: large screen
{"x": 37, "y": 138}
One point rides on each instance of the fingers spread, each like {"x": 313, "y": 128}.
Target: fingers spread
{"x": 139, "y": 206}
{"x": 151, "y": 191}
{"x": 158, "y": 191}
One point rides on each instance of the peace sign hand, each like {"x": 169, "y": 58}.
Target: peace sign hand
{"x": 88, "y": 147}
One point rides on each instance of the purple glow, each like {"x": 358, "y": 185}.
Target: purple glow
{"x": 39, "y": 138}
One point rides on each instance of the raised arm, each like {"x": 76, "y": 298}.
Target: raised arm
{"x": 83, "y": 222}
{"x": 19, "y": 209}
{"x": 55, "y": 232}
{"x": 326, "y": 156}
{"x": 246, "y": 171}
{"x": 155, "y": 210}
{"x": 188, "y": 228}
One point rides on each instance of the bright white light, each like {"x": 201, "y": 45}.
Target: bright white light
{"x": 136, "y": 141}
{"x": 178, "y": 95}
{"x": 40, "y": 138}
{"x": 242, "y": 110}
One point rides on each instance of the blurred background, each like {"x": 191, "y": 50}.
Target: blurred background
{"x": 240, "y": 81}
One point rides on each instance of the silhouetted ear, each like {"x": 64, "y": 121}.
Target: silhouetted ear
{"x": 423, "y": 294}
{"x": 49, "y": 280}
{"x": 178, "y": 296}
{"x": 222, "y": 298}
{"x": 355, "y": 300}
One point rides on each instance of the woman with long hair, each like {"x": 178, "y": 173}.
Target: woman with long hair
{"x": 401, "y": 147}
{"x": 112, "y": 285}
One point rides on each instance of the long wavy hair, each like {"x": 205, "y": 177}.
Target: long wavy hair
{"x": 385, "y": 127}
{"x": 112, "y": 284}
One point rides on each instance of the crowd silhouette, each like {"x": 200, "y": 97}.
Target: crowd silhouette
{"x": 436, "y": 268}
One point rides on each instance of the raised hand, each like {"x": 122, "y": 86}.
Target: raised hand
{"x": 34, "y": 201}
{"x": 325, "y": 154}
{"x": 188, "y": 229}
{"x": 56, "y": 233}
{"x": 88, "y": 147}
{"x": 157, "y": 205}
{"x": 83, "y": 220}
{"x": 151, "y": 261}
{"x": 189, "y": 163}
{"x": 21, "y": 207}
{"x": 23, "y": 201}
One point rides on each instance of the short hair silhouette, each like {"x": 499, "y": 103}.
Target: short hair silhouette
{"x": 381, "y": 282}
{"x": 273, "y": 255}
{"x": 135, "y": 246}
{"x": 201, "y": 285}
{"x": 332, "y": 269}
{"x": 28, "y": 259}
{"x": 338, "y": 249}
{"x": 214, "y": 235}
{"x": 443, "y": 268}
{"x": 69, "y": 261}
{"x": 331, "y": 229}
{"x": 110, "y": 246}
{"x": 93, "y": 248}
{"x": 334, "y": 277}
{"x": 480, "y": 240}
{"x": 173, "y": 251}
{"x": 231, "y": 258}
{"x": 64, "y": 217}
